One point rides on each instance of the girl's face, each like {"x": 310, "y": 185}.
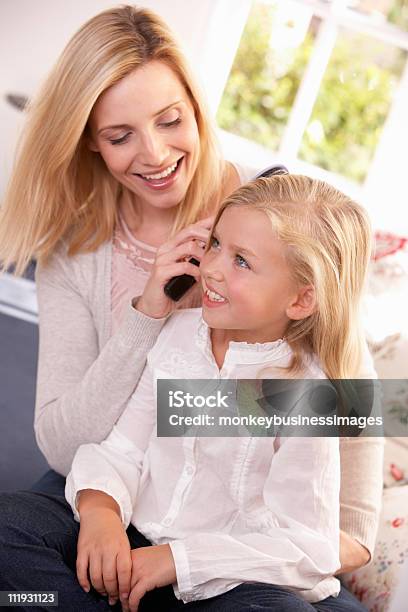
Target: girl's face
{"x": 145, "y": 129}
{"x": 247, "y": 282}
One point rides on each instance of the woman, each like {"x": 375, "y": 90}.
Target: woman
{"x": 115, "y": 186}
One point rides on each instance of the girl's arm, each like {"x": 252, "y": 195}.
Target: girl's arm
{"x": 82, "y": 389}
{"x": 103, "y": 550}
{"x": 114, "y": 466}
{"x": 295, "y": 542}
{"x": 102, "y": 488}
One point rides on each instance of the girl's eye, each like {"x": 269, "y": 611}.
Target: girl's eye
{"x": 242, "y": 263}
{"x": 173, "y": 123}
{"x": 214, "y": 243}
{"x": 121, "y": 140}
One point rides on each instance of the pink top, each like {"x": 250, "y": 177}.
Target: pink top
{"x": 132, "y": 261}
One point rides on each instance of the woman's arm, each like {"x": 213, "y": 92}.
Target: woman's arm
{"x": 360, "y": 497}
{"x": 81, "y": 389}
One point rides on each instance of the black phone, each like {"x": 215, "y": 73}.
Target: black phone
{"x": 178, "y": 286}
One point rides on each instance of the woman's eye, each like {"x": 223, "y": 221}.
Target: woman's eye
{"x": 171, "y": 123}
{"x": 214, "y": 243}
{"x": 121, "y": 140}
{"x": 242, "y": 263}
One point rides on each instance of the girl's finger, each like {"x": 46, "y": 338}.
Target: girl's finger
{"x": 82, "y": 571}
{"x": 109, "y": 574}
{"x": 124, "y": 569}
{"x": 139, "y": 589}
{"x": 95, "y": 573}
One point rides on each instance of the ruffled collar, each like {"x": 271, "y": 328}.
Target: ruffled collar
{"x": 242, "y": 352}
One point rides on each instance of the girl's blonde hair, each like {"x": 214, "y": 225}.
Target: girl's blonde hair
{"x": 328, "y": 244}
{"x": 59, "y": 188}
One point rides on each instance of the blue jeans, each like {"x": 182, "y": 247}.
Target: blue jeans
{"x": 38, "y": 539}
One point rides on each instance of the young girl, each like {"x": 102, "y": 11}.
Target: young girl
{"x": 233, "y": 522}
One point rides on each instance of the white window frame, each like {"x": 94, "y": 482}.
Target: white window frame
{"x": 335, "y": 16}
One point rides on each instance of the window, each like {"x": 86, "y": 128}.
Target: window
{"x": 313, "y": 84}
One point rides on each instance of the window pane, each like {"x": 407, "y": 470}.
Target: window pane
{"x": 352, "y": 106}
{"x": 395, "y": 11}
{"x": 273, "y": 53}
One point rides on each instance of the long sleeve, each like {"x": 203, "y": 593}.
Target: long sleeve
{"x": 362, "y": 476}
{"x": 361, "y": 488}
{"x": 82, "y": 388}
{"x": 297, "y": 544}
{"x": 114, "y": 466}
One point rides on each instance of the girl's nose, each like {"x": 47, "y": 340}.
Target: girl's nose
{"x": 211, "y": 267}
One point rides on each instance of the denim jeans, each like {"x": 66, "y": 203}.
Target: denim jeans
{"x": 38, "y": 540}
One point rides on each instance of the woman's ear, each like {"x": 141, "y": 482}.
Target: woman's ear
{"x": 91, "y": 144}
{"x": 303, "y": 304}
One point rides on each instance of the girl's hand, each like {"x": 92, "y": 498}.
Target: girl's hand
{"x": 152, "y": 567}
{"x": 353, "y": 555}
{"x": 172, "y": 260}
{"x": 104, "y": 550}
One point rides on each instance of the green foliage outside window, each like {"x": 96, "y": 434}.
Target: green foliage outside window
{"x": 351, "y": 108}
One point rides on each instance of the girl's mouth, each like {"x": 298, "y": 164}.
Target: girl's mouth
{"x": 212, "y": 299}
{"x": 162, "y": 180}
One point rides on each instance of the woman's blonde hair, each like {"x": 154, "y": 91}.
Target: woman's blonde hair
{"x": 327, "y": 240}
{"x": 59, "y": 188}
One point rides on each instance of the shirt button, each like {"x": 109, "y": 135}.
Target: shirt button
{"x": 189, "y": 470}
{"x": 167, "y": 522}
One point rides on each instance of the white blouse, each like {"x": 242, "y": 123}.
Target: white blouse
{"x": 233, "y": 510}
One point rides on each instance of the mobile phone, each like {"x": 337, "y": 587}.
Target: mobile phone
{"x": 177, "y": 286}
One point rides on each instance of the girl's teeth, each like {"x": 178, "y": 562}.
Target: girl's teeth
{"x": 215, "y": 297}
{"x": 163, "y": 174}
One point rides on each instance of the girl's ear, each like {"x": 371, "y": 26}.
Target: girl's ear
{"x": 303, "y": 304}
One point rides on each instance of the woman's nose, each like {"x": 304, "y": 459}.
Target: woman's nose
{"x": 153, "y": 150}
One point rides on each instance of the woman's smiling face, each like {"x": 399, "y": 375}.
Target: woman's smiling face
{"x": 145, "y": 129}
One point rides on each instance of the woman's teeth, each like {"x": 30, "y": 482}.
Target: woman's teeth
{"x": 160, "y": 175}
{"x": 214, "y": 297}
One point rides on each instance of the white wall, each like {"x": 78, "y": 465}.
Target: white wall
{"x": 34, "y": 32}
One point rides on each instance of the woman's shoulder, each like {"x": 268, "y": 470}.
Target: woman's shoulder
{"x": 245, "y": 173}
{"x": 79, "y": 268}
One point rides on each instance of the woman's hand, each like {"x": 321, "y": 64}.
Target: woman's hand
{"x": 152, "y": 567}
{"x": 103, "y": 548}
{"x": 353, "y": 555}
{"x": 172, "y": 260}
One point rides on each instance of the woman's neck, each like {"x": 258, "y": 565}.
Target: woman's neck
{"x": 153, "y": 225}
{"x": 150, "y": 224}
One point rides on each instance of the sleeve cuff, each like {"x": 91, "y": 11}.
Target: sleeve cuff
{"x": 360, "y": 526}
{"x": 139, "y": 328}
{"x": 72, "y": 491}
{"x": 184, "y": 589}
